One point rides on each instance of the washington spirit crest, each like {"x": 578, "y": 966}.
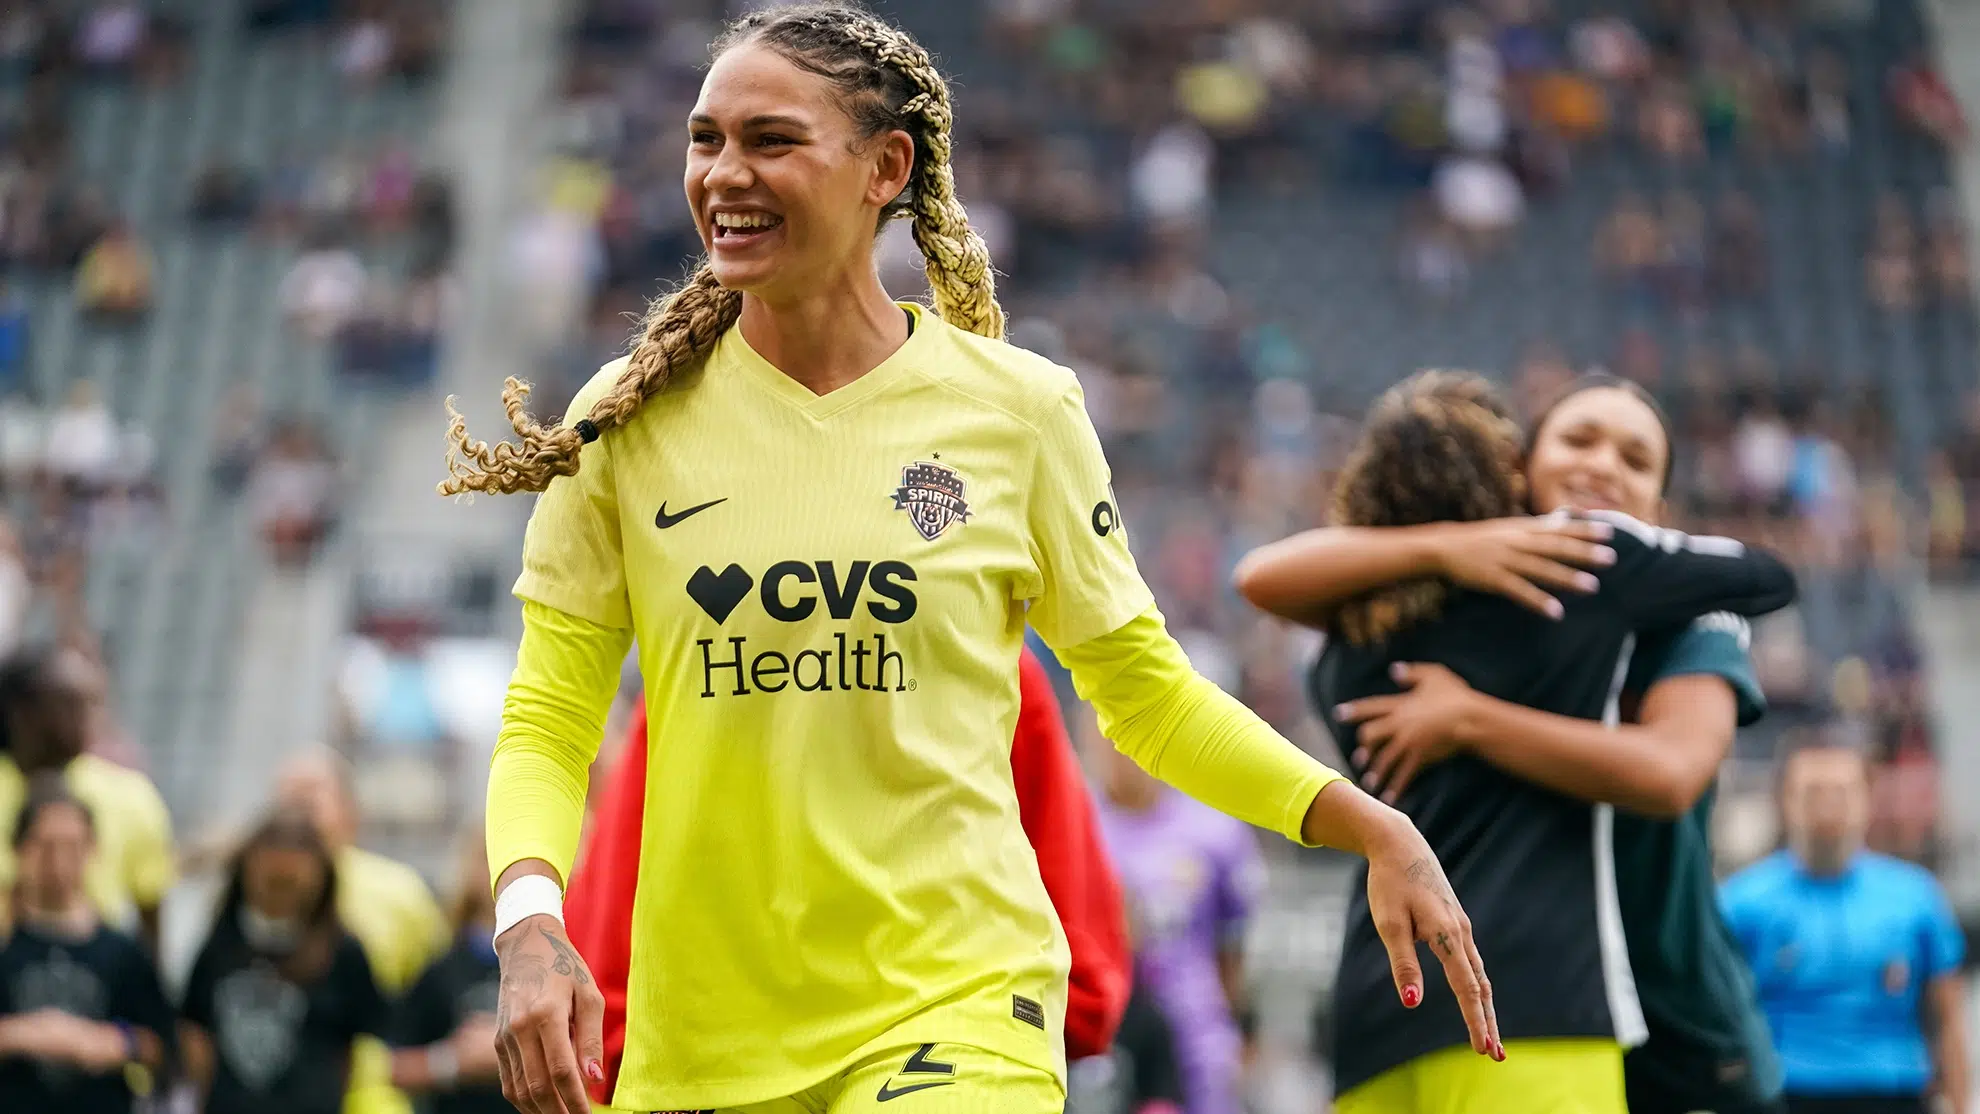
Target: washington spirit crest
{"x": 932, "y": 495}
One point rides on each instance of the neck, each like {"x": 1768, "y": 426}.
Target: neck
{"x": 829, "y": 338}
{"x": 71, "y": 918}
{"x": 1824, "y": 862}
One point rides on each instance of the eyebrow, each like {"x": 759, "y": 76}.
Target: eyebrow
{"x": 759, "y": 121}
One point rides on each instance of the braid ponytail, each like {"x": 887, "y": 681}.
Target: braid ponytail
{"x": 959, "y": 272}
{"x": 680, "y": 328}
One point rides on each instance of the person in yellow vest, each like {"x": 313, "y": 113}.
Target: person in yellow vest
{"x": 384, "y": 903}
{"x": 44, "y": 716}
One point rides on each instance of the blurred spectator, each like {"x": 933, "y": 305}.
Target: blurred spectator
{"x": 114, "y": 281}
{"x": 281, "y": 993}
{"x": 1739, "y": 261}
{"x": 446, "y": 1027}
{"x": 1171, "y": 176}
{"x": 389, "y": 691}
{"x": 1825, "y": 101}
{"x": 13, "y": 340}
{"x": 1630, "y": 244}
{"x": 84, "y": 1024}
{"x": 1191, "y": 877}
{"x": 110, "y": 35}
{"x": 291, "y": 493}
{"x": 1891, "y": 265}
{"x": 223, "y": 195}
{"x": 83, "y": 440}
{"x": 385, "y": 904}
{"x": 323, "y": 290}
{"x": 1480, "y": 198}
{"x": 1923, "y": 99}
{"x": 1875, "y": 1015}
{"x": 42, "y": 702}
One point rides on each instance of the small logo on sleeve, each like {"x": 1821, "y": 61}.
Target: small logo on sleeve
{"x": 932, "y": 496}
{"x": 1027, "y": 1011}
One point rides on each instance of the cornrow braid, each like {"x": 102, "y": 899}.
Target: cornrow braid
{"x": 886, "y": 82}
{"x": 1441, "y": 446}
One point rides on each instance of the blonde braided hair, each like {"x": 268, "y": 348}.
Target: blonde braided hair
{"x": 887, "y": 82}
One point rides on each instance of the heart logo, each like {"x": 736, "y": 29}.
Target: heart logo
{"x": 719, "y": 593}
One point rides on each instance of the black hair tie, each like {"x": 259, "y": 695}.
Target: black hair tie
{"x": 586, "y": 430}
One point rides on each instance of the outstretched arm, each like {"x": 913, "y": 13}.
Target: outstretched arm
{"x": 1186, "y": 731}
{"x": 1306, "y": 577}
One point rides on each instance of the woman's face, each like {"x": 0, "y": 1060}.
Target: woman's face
{"x": 1601, "y": 449}
{"x": 785, "y": 191}
{"x": 53, "y": 856}
{"x": 281, "y": 883}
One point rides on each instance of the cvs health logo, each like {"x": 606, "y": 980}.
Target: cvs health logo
{"x": 795, "y": 592}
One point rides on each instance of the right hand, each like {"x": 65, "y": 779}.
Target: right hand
{"x": 1410, "y": 900}
{"x": 1519, "y": 558}
{"x": 551, "y": 1020}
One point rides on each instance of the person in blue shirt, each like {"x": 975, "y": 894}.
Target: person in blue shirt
{"x": 1856, "y": 954}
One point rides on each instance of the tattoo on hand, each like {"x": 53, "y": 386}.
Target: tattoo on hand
{"x": 1444, "y": 943}
{"x": 568, "y": 962}
{"x": 1421, "y": 872}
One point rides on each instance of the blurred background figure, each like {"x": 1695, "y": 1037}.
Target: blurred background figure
{"x": 1191, "y": 877}
{"x": 445, "y": 1036}
{"x": 384, "y": 904}
{"x": 280, "y": 992}
{"x": 1857, "y": 954}
{"x": 84, "y": 1024}
{"x": 43, "y": 732}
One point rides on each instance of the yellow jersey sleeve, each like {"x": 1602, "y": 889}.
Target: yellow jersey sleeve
{"x": 1088, "y": 584}
{"x": 150, "y": 866}
{"x": 1180, "y": 727}
{"x": 553, "y": 720}
{"x": 572, "y": 554}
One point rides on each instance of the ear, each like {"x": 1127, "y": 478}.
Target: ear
{"x": 893, "y": 168}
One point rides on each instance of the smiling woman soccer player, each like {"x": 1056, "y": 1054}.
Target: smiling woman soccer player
{"x": 1602, "y": 445}
{"x": 827, "y": 517}
{"x": 1530, "y": 864}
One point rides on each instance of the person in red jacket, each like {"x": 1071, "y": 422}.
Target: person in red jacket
{"x": 1053, "y": 806}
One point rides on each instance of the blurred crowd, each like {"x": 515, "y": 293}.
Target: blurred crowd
{"x": 1468, "y": 116}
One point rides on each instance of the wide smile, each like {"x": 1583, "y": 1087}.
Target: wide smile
{"x": 741, "y": 231}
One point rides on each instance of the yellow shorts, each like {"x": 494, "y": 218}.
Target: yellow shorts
{"x": 926, "y": 1079}
{"x": 1556, "y": 1075}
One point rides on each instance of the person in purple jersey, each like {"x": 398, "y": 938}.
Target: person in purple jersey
{"x": 1191, "y": 876}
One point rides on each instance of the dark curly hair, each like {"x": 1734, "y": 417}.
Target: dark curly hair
{"x": 1441, "y": 446}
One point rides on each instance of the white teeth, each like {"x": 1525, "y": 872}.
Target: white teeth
{"x": 747, "y": 220}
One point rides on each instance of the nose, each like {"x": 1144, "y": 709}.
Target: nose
{"x": 728, "y": 171}
{"x": 1602, "y": 458}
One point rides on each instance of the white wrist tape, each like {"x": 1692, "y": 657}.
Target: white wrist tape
{"x": 443, "y": 1066}
{"x": 529, "y": 896}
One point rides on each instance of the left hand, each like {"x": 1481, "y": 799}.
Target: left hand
{"x": 1399, "y": 735}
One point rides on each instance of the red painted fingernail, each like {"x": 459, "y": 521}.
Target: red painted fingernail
{"x": 1499, "y": 1051}
{"x": 1411, "y": 996}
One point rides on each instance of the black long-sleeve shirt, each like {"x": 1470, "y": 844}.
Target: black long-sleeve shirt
{"x": 1532, "y": 867}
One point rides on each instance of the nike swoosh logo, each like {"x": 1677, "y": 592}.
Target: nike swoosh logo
{"x": 886, "y": 1095}
{"x": 664, "y": 520}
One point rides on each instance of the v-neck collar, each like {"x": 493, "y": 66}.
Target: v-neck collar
{"x": 820, "y": 407}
